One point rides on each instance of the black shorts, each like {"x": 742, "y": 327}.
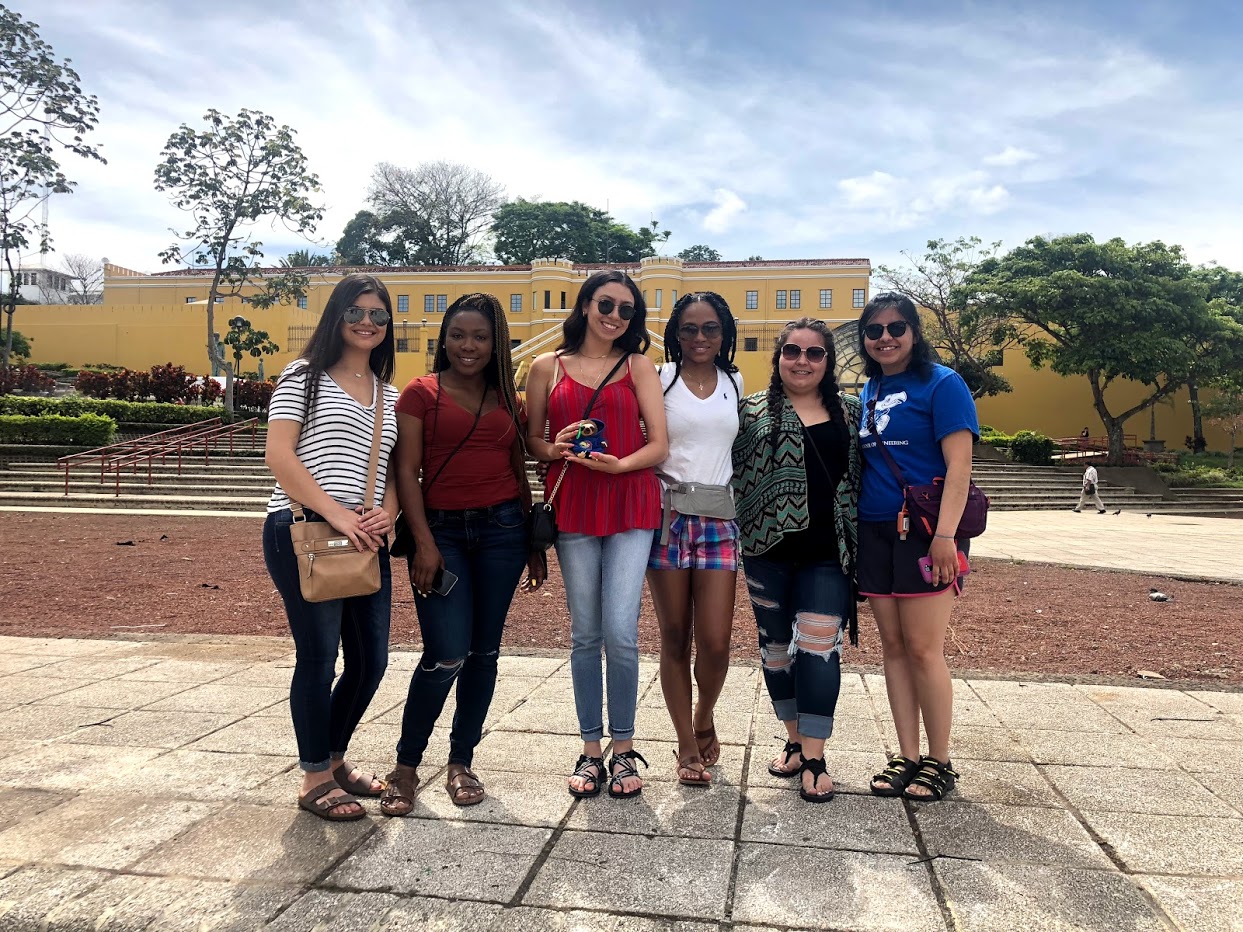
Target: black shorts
{"x": 889, "y": 567}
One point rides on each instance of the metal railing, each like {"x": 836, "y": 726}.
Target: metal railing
{"x": 1092, "y": 449}
{"x": 178, "y": 441}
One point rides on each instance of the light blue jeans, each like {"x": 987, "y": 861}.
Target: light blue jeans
{"x": 603, "y": 588}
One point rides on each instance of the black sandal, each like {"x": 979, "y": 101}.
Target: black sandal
{"x": 937, "y": 778}
{"x": 621, "y": 766}
{"x": 583, "y": 769}
{"x": 791, "y": 748}
{"x": 816, "y": 767}
{"x": 898, "y": 775}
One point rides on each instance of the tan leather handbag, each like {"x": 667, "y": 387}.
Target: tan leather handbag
{"x": 329, "y": 566}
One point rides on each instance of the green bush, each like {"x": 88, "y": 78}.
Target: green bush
{"x": 88, "y": 430}
{"x": 1031, "y": 448}
{"x": 996, "y": 440}
{"x": 130, "y": 412}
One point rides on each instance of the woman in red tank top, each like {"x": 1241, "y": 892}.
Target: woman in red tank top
{"x": 608, "y": 507}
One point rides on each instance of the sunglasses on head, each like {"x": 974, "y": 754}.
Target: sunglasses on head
{"x": 606, "y": 306}
{"x": 792, "y": 351}
{"x": 379, "y": 316}
{"x": 689, "y": 331}
{"x": 896, "y": 329}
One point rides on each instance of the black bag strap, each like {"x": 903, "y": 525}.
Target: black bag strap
{"x": 595, "y": 396}
{"x": 880, "y": 444}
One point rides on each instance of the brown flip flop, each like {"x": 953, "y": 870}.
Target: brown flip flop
{"x": 315, "y": 803}
{"x": 360, "y": 787}
{"x": 709, "y": 745}
{"x": 690, "y": 762}
{"x": 463, "y": 781}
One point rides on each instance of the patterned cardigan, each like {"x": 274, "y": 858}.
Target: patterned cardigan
{"x": 770, "y": 489}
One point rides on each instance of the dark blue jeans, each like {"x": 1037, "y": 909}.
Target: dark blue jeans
{"x": 325, "y": 716}
{"x": 800, "y": 610}
{"x": 486, "y": 548}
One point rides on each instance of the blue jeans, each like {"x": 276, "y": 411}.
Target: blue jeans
{"x": 325, "y": 716}
{"x": 603, "y": 588}
{"x": 801, "y": 611}
{"x": 486, "y": 548}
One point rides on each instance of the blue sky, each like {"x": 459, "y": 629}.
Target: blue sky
{"x": 787, "y": 130}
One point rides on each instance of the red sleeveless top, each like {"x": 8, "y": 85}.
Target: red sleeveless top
{"x": 598, "y": 503}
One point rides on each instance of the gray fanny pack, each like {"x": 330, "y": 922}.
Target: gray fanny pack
{"x": 695, "y": 498}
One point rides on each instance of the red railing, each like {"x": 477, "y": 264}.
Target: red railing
{"x": 178, "y": 440}
{"x": 1097, "y": 448}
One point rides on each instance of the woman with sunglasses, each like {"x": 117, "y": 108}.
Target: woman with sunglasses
{"x": 693, "y": 569}
{"x": 925, "y": 416}
{"x": 608, "y": 507}
{"x": 320, "y": 425}
{"x": 462, "y": 425}
{"x": 796, "y": 480}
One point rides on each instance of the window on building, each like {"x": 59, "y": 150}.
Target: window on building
{"x": 826, "y": 297}
{"x": 514, "y": 343}
{"x": 403, "y": 345}
{"x": 563, "y": 300}
{"x": 429, "y": 303}
{"x": 302, "y": 302}
{"x": 658, "y": 296}
{"x": 796, "y": 299}
{"x": 547, "y": 299}
{"x": 220, "y": 299}
{"x": 675, "y": 296}
{"x": 860, "y": 297}
{"x": 403, "y": 304}
{"x": 442, "y": 302}
{"x": 753, "y": 300}
{"x": 750, "y": 344}
{"x": 781, "y": 300}
{"x": 189, "y": 300}
{"x": 515, "y": 304}
{"x": 431, "y": 344}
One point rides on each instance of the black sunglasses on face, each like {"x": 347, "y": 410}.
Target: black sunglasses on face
{"x": 606, "y": 305}
{"x": 379, "y": 316}
{"x": 690, "y": 331}
{"x": 792, "y": 351}
{"x": 896, "y": 329}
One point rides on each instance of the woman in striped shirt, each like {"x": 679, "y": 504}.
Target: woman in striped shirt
{"x": 320, "y": 425}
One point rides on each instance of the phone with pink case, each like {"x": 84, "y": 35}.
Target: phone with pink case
{"x": 925, "y": 567}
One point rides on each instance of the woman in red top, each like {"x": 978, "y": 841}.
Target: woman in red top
{"x": 462, "y": 425}
{"x": 608, "y": 507}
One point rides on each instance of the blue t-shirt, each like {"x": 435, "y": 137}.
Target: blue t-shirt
{"x": 913, "y": 416}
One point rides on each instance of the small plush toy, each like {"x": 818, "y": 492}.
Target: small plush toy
{"x": 589, "y": 440}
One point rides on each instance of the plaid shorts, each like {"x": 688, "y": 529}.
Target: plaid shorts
{"x": 697, "y": 543}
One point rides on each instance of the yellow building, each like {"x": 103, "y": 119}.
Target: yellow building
{"x": 153, "y": 319}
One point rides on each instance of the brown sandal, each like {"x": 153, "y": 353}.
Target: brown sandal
{"x": 315, "y": 803}
{"x": 364, "y": 786}
{"x": 400, "y": 786}
{"x": 462, "y": 781}
{"x": 689, "y": 763}
{"x": 709, "y": 745}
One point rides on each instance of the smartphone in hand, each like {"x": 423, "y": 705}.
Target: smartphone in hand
{"x": 443, "y": 582}
{"x": 925, "y": 567}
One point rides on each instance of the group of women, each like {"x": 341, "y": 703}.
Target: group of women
{"x": 685, "y": 479}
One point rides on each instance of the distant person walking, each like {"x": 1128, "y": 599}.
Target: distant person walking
{"x": 1090, "y": 495}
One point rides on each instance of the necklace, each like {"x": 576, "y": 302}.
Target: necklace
{"x": 605, "y": 356}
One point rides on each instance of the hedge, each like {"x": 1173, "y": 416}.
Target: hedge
{"x": 89, "y": 430}
{"x": 131, "y": 412}
{"x": 1032, "y": 448}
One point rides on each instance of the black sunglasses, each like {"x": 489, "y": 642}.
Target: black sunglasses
{"x": 690, "y": 331}
{"x": 896, "y": 329}
{"x": 792, "y": 351}
{"x": 379, "y": 316}
{"x": 606, "y": 306}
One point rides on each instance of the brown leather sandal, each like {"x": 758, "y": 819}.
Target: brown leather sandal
{"x": 400, "y": 786}
{"x": 709, "y": 745}
{"x": 363, "y": 786}
{"x": 315, "y": 803}
{"x": 692, "y": 763}
{"x": 465, "y": 789}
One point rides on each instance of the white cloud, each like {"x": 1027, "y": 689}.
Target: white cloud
{"x": 1010, "y": 155}
{"x": 728, "y": 207}
{"x": 879, "y": 189}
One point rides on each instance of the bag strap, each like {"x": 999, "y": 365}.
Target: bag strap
{"x": 461, "y": 443}
{"x": 373, "y": 460}
{"x": 880, "y": 444}
{"x": 599, "y": 388}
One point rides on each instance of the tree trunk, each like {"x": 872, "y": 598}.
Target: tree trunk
{"x": 8, "y": 337}
{"x": 228, "y": 392}
{"x": 1117, "y": 444}
{"x": 1198, "y": 442}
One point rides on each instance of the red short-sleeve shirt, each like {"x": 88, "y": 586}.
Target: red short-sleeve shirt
{"x": 481, "y": 472}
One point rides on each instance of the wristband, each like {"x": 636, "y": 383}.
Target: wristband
{"x": 945, "y": 536}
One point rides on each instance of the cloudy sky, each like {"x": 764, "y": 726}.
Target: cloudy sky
{"x": 784, "y": 129}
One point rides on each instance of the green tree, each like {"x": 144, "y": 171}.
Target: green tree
{"x": 43, "y": 115}
{"x": 228, "y": 176}
{"x": 699, "y": 253}
{"x": 755, "y": 258}
{"x": 969, "y": 337}
{"x": 525, "y": 230}
{"x": 1217, "y": 351}
{"x": 1226, "y": 410}
{"x": 19, "y": 347}
{"x": 245, "y": 340}
{"x": 305, "y": 259}
{"x": 1101, "y": 310}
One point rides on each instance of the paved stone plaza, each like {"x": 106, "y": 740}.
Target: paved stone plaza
{"x": 150, "y": 785}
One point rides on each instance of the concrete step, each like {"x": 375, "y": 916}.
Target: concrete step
{"x": 139, "y": 487}
{"x": 101, "y": 500}
{"x": 17, "y": 474}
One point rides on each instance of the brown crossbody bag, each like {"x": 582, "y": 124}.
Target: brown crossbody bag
{"x": 329, "y": 565}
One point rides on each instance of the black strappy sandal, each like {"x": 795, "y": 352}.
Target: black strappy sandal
{"x": 621, "y": 766}
{"x": 897, "y": 775}
{"x": 816, "y": 767}
{"x": 937, "y": 778}
{"x": 791, "y": 748}
{"x": 583, "y": 769}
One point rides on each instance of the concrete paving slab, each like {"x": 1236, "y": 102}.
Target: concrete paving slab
{"x": 1198, "y": 755}
{"x": 511, "y": 799}
{"x": 30, "y": 687}
{"x": 1098, "y": 750}
{"x": 29, "y": 894}
{"x": 152, "y": 729}
{"x": 1163, "y": 844}
{"x": 1157, "y": 792}
{"x": 20, "y": 663}
{"x": 666, "y": 808}
{"x": 22, "y": 805}
{"x": 44, "y": 723}
{"x": 423, "y": 914}
{"x": 184, "y": 671}
{"x": 530, "y": 919}
{"x": 850, "y": 890}
{"x": 727, "y": 771}
{"x": 547, "y": 717}
{"x": 854, "y": 823}
{"x": 687, "y": 877}
{"x": 1020, "y": 897}
{"x": 1199, "y": 902}
{"x": 1078, "y": 716}
{"x": 252, "y": 736}
{"x": 326, "y": 909}
{"x": 236, "y": 700}
{"x": 968, "y": 742}
{"x": 63, "y": 648}
{"x": 653, "y": 724}
{"x": 1230, "y": 703}
{"x": 509, "y": 665}
{"x": 208, "y": 775}
{"x": 1212, "y": 726}
{"x": 462, "y": 860}
{"x": 274, "y": 673}
{"x": 116, "y": 694}
{"x": 257, "y": 844}
{"x": 1012, "y": 783}
{"x": 157, "y": 904}
{"x": 983, "y": 831}
{"x": 108, "y": 832}
{"x": 552, "y": 756}
{"x": 74, "y": 768}
{"x": 87, "y": 667}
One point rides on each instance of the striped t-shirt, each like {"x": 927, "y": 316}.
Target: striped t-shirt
{"x": 336, "y": 445}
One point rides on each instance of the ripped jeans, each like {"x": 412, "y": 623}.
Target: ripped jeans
{"x": 800, "y": 610}
{"x": 487, "y": 549}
